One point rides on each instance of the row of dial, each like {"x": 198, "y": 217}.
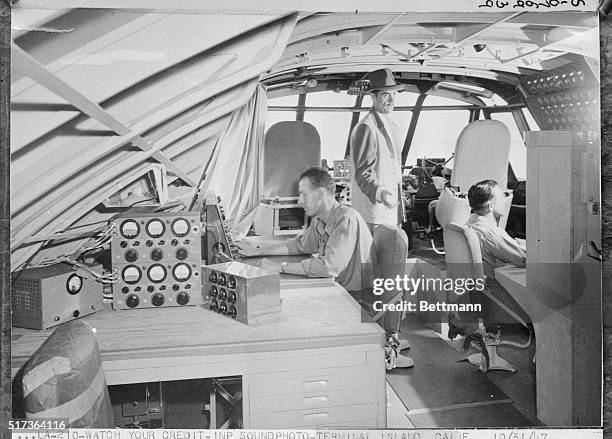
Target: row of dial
{"x": 156, "y": 228}
{"x": 132, "y": 274}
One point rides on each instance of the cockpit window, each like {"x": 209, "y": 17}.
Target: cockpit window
{"x": 518, "y": 152}
{"x": 430, "y": 139}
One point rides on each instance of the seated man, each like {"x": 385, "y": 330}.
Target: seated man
{"x": 338, "y": 239}
{"x": 497, "y": 247}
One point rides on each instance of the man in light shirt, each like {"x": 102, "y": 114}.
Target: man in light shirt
{"x": 337, "y": 238}
{"x": 497, "y": 247}
{"x": 376, "y": 151}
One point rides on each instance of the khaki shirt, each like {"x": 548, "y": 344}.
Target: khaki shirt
{"x": 340, "y": 245}
{"x": 496, "y": 246}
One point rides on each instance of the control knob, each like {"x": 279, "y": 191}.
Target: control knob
{"x": 158, "y": 299}
{"x": 132, "y": 301}
{"x": 182, "y": 298}
{"x": 223, "y": 308}
{"x": 233, "y": 312}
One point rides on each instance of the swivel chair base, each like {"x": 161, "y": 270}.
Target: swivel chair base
{"x": 488, "y": 359}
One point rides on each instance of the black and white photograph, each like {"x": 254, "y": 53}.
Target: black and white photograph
{"x": 354, "y": 216}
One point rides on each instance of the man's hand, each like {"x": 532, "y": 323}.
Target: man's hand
{"x": 270, "y": 265}
{"x": 248, "y": 248}
{"x": 387, "y": 198}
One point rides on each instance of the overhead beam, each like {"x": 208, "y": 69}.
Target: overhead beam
{"x": 32, "y": 68}
{"x": 382, "y": 29}
{"x": 29, "y": 66}
{"x": 462, "y": 40}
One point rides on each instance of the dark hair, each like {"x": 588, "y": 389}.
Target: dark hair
{"x": 481, "y": 193}
{"x": 319, "y": 177}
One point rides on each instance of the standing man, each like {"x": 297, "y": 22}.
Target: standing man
{"x": 375, "y": 146}
{"x": 376, "y": 180}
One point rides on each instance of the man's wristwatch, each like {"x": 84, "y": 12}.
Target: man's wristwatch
{"x": 283, "y": 265}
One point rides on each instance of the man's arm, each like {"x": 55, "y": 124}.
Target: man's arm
{"x": 338, "y": 252}
{"x": 507, "y": 249}
{"x": 363, "y": 154}
{"x": 301, "y": 244}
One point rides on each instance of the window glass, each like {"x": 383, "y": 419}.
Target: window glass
{"x": 431, "y": 140}
{"x": 440, "y": 100}
{"x": 333, "y": 128}
{"x": 330, "y": 99}
{"x": 273, "y": 117}
{"x": 518, "y": 152}
{"x": 290, "y": 100}
{"x": 533, "y": 125}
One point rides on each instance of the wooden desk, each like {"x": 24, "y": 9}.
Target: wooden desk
{"x": 316, "y": 366}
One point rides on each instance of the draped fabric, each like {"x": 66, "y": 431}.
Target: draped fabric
{"x": 235, "y": 168}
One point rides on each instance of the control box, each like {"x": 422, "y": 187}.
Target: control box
{"x": 158, "y": 259}
{"x": 44, "y": 297}
{"x": 242, "y": 292}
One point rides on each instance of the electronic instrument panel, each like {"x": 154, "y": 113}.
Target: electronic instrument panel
{"x": 242, "y": 292}
{"x": 219, "y": 244}
{"x": 157, "y": 256}
{"x": 44, "y": 297}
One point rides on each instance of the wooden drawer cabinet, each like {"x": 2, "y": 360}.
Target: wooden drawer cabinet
{"x": 348, "y": 415}
{"x": 302, "y": 401}
{"x": 288, "y": 383}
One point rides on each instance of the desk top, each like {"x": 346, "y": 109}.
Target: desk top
{"x": 312, "y": 316}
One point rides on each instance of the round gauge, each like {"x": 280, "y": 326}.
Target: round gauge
{"x": 131, "y": 255}
{"x": 222, "y": 279}
{"x": 129, "y": 229}
{"x": 213, "y": 291}
{"x": 156, "y": 273}
{"x": 180, "y": 227}
{"x": 74, "y": 284}
{"x": 231, "y": 282}
{"x": 155, "y": 228}
{"x": 181, "y": 272}
{"x": 212, "y": 277}
{"x": 157, "y": 254}
{"x": 131, "y": 274}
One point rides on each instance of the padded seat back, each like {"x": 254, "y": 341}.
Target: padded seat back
{"x": 64, "y": 379}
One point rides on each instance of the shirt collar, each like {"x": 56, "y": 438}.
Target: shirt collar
{"x": 484, "y": 219}
{"x": 328, "y": 223}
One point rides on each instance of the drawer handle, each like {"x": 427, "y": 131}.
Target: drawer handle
{"x": 314, "y": 399}
{"x": 309, "y": 386}
{"x": 316, "y": 416}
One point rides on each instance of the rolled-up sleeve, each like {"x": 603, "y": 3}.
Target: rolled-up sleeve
{"x": 363, "y": 153}
{"x": 338, "y": 251}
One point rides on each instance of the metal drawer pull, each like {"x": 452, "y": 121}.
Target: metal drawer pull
{"x": 314, "y": 385}
{"x": 316, "y": 416}
{"x": 313, "y": 399}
